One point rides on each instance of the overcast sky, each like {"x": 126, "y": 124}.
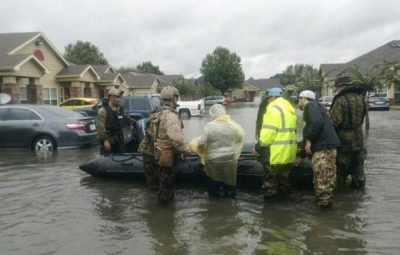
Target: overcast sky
{"x": 178, "y": 34}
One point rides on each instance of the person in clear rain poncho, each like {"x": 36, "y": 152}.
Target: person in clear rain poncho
{"x": 220, "y": 145}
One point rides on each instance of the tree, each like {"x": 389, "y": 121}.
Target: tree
{"x": 84, "y": 53}
{"x": 222, "y": 70}
{"x": 381, "y": 75}
{"x": 125, "y": 69}
{"x": 148, "y": 67}
{"x": 302, "y": 76}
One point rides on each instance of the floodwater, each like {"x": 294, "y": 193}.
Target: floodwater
{"x": 49, "y": 206}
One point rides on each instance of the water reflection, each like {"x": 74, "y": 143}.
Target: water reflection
{"x": 49, "y": 206}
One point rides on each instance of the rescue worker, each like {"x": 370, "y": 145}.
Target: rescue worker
{"x": 347, "y": 114}
{"x": 263, "y": 152}
{"x": 222, "y": 141}
{"x": 146, "y": 147}
{"x": 278, "y": 132}
{"x": 320, "y": 141}
{"x": 169, "y": 143}
{"x": 108, "y": 124}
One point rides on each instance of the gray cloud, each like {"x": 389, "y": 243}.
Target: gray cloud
{"x": 177, "y": 35}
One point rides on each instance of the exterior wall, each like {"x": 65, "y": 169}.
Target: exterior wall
{"x": 30, "y": 69}
{"x": 142, "y": 91}
{"x": 12, "y": 89}
{"x": 89, "y": 77}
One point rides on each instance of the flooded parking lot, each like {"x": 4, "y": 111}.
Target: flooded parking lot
{"x": 49, "y": 206}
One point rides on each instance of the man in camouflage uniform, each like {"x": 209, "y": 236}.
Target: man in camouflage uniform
{"x": 108, "y": 125}
{"x": 320, "y": 141}
{"x": 169, "y": 143}
{"x": 347, "y": 114}
{"x": 146, "y": 147}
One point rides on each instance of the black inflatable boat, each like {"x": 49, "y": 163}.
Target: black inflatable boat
{"x": 190, "y": 170}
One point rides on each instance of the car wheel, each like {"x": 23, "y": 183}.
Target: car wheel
{"x": 44, "y": 144}
{"x": 184, "y": 114}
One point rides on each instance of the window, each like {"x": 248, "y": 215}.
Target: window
{"x": 142, "y": 94}
{"x": 50, "y": 96}
{"x": 22, "y": 114}
{"x": 62, "y": 94}
{"x": 397, "y": 93}
{"x": 23, "y": 95}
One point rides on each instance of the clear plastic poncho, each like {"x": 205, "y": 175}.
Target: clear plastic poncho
{"x": 220, "y": 145}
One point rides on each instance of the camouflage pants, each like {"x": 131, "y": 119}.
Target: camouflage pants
{"x": 324, "y": 169}
{"x": 276, "y": 180}
{"x": 117, "y": 145}
{"x": 151, "y": 172}
{"x": 166, "y": 187}
{"x": 351, "y": 163}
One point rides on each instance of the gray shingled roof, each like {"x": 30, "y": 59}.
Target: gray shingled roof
{"x": 387, "y": 52}
{"x": 332, "y": 70}
{"x": 8, "y": 62}
{"x": 10, "y": 41}
{"x": 264, "y": 84}
{"x": 135, "y": 80}
{"x": 73, "y": 70}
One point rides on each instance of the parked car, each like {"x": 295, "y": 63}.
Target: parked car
{"x": 44, "y": 128}
{"x": 78, "y": 102}
{"x": 326, "y": 101}
{"x": 211, "y": 100}
{"x": 134, "y": 106}
{"x": 187, "y": 109}
{"x": 378, "y": 103}
{"x": 229, "y": 101}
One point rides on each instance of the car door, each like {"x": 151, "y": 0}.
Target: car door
{"x": 4, "y": 128}
{"x": 20, "y": 126}
{"x": 69, "y": 104}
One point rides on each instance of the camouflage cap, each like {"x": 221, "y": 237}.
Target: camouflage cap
{"x": 114, "y": 92}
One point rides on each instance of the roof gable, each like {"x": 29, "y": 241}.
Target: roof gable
{"x": 11, "y": 43}
{"x": 14, "y": 62}
{"x": 264, "y": 84}
{"x": 135, "y": 80}
{"x": 77, "y": 71}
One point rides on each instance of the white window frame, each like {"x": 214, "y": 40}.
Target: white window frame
{"x": 51, "y": 96}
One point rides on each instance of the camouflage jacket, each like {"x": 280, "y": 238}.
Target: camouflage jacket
{"x": 347, "y": 114}
{"x": 170, "y": 132}
{"x": 102, "y": 131}
{"x": 147, "y": 144}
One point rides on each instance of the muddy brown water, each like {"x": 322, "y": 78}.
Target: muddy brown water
{"x": 49, "y": 206}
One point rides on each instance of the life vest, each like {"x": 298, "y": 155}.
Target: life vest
{"x": 113, "y": 125}
{"x": 279, "y": 131}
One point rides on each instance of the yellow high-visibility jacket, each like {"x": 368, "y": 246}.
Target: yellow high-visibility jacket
{"x": 279, "y": 131}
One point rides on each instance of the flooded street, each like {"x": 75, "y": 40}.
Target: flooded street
{"x": 49, "y": 206}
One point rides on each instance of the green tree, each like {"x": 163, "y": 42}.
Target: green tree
{"x": 125, "y": 69}
{"x": 187, "y": 91}
{"x": 84, "y": 53}
{"x": 148, "y": 67}
{"x": 302, "y": 76}
{"x": 222, "y": 70}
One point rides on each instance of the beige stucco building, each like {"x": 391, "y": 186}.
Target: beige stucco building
{"x": 32, "y": 70}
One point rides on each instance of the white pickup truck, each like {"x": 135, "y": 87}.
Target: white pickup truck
{"x": 187, "y": 109}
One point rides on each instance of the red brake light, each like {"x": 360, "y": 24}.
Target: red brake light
{"x": 78, "y": 126}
